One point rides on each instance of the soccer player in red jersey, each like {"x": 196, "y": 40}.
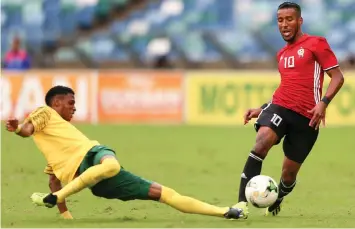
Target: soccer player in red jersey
{"x": 296, "y": 109}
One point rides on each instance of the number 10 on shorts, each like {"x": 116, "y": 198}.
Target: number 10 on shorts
{"x": 276, "y": 120}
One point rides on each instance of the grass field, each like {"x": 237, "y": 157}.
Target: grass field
{"x": 204, "y": 162}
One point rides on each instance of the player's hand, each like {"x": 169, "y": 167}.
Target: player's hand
{"x": 318, "y": 115}
{"x": 11, "y": 124}
{"x": 251, "y": 113}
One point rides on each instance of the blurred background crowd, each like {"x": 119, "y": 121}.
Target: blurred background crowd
{"x": 190, "y": 34}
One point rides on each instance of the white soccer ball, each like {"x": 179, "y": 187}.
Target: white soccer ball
{"x": 261, "y": 191}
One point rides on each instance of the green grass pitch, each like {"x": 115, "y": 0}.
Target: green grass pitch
{"x": 203, "y": 162}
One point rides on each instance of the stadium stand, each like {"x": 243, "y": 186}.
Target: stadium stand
{"x": 189, "y": 33}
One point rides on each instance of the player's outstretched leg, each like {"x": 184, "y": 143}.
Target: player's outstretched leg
{"x": 109, "y": 167}
{"x": 127, "y": 186}
{"x": 287, "y": 183}
{"x": 265, "y": 139}
{"x": 190, "y": 205}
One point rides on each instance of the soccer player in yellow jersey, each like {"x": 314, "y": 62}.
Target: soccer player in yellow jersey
{"x": 82, "y": 163}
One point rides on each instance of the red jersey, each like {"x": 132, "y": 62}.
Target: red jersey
{"x": 302, "y": 66}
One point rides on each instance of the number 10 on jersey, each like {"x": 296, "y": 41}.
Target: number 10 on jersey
{"x": 289, "y": 62}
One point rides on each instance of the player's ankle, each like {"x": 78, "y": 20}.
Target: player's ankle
{"x": 242, "y": 200}
{"x": 277, "y": 203}
{"x": 51, "y": 199}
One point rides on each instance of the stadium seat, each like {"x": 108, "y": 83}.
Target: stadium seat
{"x": 184, "y": 22}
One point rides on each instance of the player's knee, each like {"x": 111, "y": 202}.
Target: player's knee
{"x": 260, "y": 149}
{"x": 112, "y": 167}
{"x": 167, "y": 194}
{"x": 155, "y": 192}
{"x": 265, "y": 139}
{"x": 288, "y": 176}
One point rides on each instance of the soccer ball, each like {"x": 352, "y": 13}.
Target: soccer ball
{"x": 261, "y": 191}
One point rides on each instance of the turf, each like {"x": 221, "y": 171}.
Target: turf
{"x": 204, "y": 162}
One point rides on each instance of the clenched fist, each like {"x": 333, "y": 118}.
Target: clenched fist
{"x": 12, "y": 124}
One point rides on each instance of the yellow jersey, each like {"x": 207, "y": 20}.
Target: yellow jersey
{"x": 61, "y": 143}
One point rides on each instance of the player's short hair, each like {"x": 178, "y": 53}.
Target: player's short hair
{"x": 57, "y": 90}
{"x": 287, "y": 5}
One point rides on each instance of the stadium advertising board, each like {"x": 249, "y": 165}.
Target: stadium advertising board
{"x": 140, "y": 96}
{"x": 213, "y": 97}
{"x": 222, "y": 97}
{"x": 104, "y": 96}
{"x": 22, "y": 92}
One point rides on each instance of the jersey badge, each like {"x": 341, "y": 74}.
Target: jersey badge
{"x": 300, "y": 52}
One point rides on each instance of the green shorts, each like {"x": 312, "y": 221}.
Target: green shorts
{"x": 124, "y": 186}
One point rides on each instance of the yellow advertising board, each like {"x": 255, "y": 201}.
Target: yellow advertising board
{"x": 221, "y": 98}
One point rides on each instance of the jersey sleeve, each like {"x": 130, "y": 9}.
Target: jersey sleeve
{"x": 324, "y": 55}
{"x": 48, "y": 170}
{"x": 40, "y": 118}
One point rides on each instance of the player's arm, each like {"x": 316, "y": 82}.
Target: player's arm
{"x": 336, "y": 82}
{"x": 25, "y": 129}
{"x": 55, "y": 185}
{"x": 35, "y": 122}
{"x": 329, "y": 63}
